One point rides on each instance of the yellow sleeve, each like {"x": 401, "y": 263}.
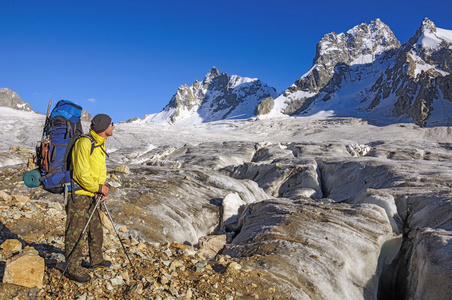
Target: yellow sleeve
{"x": 81, "y": 163}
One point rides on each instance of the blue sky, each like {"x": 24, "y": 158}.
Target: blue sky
{"x": 128, "y": 58}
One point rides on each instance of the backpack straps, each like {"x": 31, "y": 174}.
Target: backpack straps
{"x": 93, "y": 144}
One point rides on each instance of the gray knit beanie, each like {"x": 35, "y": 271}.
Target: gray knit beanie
{"x": 100, "y": 123}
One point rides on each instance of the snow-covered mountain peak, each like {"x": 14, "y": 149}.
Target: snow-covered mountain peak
{"x": 218, "y": 96}
{"x": 428, "y": 50}
{"x": 211, "y": 75}
{"x": 428, "y": 25}
{"x": 429, "y": 37}
{"x": 363, "y": 72}
{"x": 359, "y": 45}
{"x": 366, "y": 72}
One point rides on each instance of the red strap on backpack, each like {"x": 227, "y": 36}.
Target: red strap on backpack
{"x": 45, "y": 155}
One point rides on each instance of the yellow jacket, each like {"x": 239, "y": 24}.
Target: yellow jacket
{"x": 89, "y": 170}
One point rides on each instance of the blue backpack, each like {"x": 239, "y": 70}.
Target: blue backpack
{"x": 53, "y": 154}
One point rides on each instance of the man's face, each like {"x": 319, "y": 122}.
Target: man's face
{"x": 109, "y": 130}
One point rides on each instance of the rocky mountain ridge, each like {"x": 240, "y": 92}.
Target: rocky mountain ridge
{"x": 218, "y": 96}
{"x": 420, "y": 78}
{"x": 364, "y": 72}
{"x": 404, "y": 83}
{"x": 360, "y": 45}
{"x": 11, "y": 99}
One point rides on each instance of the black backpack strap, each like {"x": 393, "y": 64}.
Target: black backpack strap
{"x": 93, "y": 144}
{"x": 102, "y": 148}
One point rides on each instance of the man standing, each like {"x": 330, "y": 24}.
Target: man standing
{"x": 89, "y": 173}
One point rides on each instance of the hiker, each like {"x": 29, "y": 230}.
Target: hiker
{"x": 89, "y": 174}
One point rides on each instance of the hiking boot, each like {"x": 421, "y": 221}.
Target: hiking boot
{"x": 103, "y": 264}
{"x": 78, "y": 276}
{"x": 61, "y": 266}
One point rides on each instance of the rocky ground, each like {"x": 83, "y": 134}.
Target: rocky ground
{"x": 36, "y": 218}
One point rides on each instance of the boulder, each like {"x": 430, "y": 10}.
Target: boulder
{"x": 25, "y": 270}
{"x": 5, "y": 196}
{"x": 265, "y": 106}
{"x": 21, "y": 199}
{"x": 211, "y": 245}
{"x": 12, "y": 245}
{"x": 123, "y": 169}
{"x": 105, "y": 221}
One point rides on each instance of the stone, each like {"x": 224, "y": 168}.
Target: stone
{"x": 5, "y": 197}
{"x": 138, "y": 288}
{"x": 265, "y": 106}
{"x": 234, "y": 266}
{"x": 188, "y": 294}
{"x": 200, "y": 266}
{"x": 141, "y": 246}
{"x": 211, "y": 245}
{"x": 179, "y": 246}
{"x": 30, "y": 250}
{"x": 173, "y": 291}
{"x": 23, "y": 149}
{"x": 25, "y": 270}
{"x": 123, "y": 169}
{"x": 56, "y": 205}
{"x": 12, "y": 245}
{"x": 31, "y": 164}
{"x": 175, "y": 265}
{"x": 21, "y": 199}
{"x": 125, "y": 276}
{"x": 190, "y": 252}
{"x": 105, "y": 221}
{"x": 59, "y": 257}
{"x": 123, "y": 229}
{"x": 168, "y": 252}
{"x": 116, "y": 281}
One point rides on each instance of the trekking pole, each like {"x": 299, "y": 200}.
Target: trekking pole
{"x": 79, "y": 239}
{"x": 119, "y": 238}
